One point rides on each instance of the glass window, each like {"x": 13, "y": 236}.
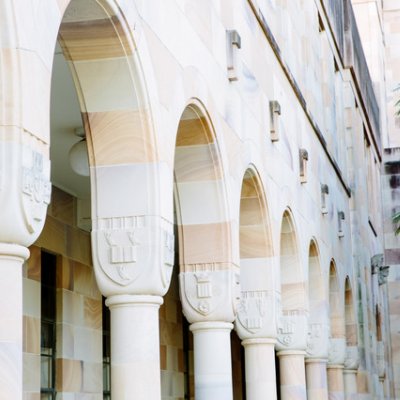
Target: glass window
{"x": 106, "y": 353}
{"x": 48, "y": 327}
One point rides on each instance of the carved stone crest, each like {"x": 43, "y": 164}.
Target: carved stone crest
{"x": 118, "y": 240}
{"x": 317, "y": 341}
{"x": 168, "y": 244}
{"x": 252, "y": 309}
{"x": 36, "y": 188}
{"x": 337, "y": 351}
{"x": 205, "y": 292}
{"x": 314, "y": 334}
{"x": 292, "y": 330}
{"x": 286, "y": 331}
{"x": 352, "y": 357}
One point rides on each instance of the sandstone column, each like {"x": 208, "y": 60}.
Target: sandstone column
{"x": 337, "y": 355}
{"x": 291, "y": 345}
{"x": 212, "y": 360}
{"x": 350, "y": 384}
{"x": 135, "y": 342}
{"x": 350, "y": 373}
{"x": 133, "y": 259}
{"x": 381, "y": 366}
{"x": 209, "y": 297}
{"x": 292, "y": 374}
{"x": 256, "y": 325}
{"x": 260, "y": 368}
{"x": 24, "y": 195}
{"x": 335, "y": 382}
{"x": 316, "y": 378}
{"x": 317, "y": 360}
{"x": 11, "y": 260}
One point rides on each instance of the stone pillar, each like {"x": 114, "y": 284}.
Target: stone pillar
{"x": 133, "y": 259}
{"x": 11, "y": 260}
{"x": 291, "y": 346}
{"x": 212, "y": 360}
{"x": 317, "y": 359}
{"x": 335, "y": 382}
{"x": 24, "y": 195}
{"x": 336, "y": 360}
{"x": 292, "y": 374}
{"x": 260, "y": 368}
{"x": 350, "y": 373}
{"x": 350, "y": 384}
{"x": 256, "y": 324}
{"x": 382, "y": 388}
{"x": 209, "y": 297}
{"x": 316, "y": 378}
{"x": 135, "y": 342}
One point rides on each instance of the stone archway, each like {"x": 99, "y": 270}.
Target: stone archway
{"x": 352, "y": 355}
{"x": 293, "y": 286}
{"x": 96, "y": 40}
{"x": 131, "y": 235}
{"x": 293, "y": 325}
{"x": 122, "y": 147}
{"x": 336, "y": 316}
{"x": 256, "y": 318}
{"x": 318, "y": 331}
{"x": 337, "y": 340}
{"x": 208, "y": 276}
{"x": 318, "y": 305}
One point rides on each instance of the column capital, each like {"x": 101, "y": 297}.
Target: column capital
{"x": 257, "y": 314}
{"x": 126, "y": 300}
{"x": 335, "y": 366}
{"x": 133, "y": 255}
{"x": 290, "y": 352}
{"x": 318, "y": 340}
{"x": 293, "y": 331}
{"x": 311, "y": 360}
{"x": 337, "y": 351}
{"x": 14, "y": 251}
{"x": 258, "y": 341}
{"x": 209, "y": 292}
{"x": 25, "y": 187}
{"x": 210, "y": 326}
{"x": 352, "y": 358}
{"x": 348, "y": 371}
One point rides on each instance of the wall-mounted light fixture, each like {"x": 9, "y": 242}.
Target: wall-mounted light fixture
{"x": 303, "y": 156}
{"x": 383, "y": 274}
{"x": 233, "y": 43}
{"x": 324, "y": 198}
{"x": 274, "y": 112}
{"x": 341, "y": 218}
{"x": 78, "y": 154}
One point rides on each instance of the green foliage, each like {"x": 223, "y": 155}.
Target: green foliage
{"x": 396, "y": 220}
